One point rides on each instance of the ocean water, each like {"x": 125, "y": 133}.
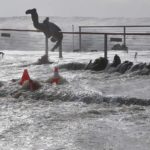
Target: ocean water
{"x": 91, "y": 111}
{"x": 36, "y": 41}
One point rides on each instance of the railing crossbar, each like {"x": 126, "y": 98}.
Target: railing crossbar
{"x": 100, "y": 33}
{"x": 121, "y": 26}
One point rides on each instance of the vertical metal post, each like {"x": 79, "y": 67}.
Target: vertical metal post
{"x": 80, "y": 38}
{"x": 124, "y": 35}
{"x": 46, "y": 47}
{"x": 73, "y": 37}
{"x": 105, "y": 45}
{"x": 60, "y": 50}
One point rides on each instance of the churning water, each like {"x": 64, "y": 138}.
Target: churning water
{"x": 91, "y": 111}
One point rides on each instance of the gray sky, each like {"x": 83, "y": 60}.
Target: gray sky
{"x": 87, "y": 8}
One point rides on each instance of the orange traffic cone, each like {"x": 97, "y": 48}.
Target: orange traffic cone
{"x": 56, "y": 77}
{"x": 25, "y": 77}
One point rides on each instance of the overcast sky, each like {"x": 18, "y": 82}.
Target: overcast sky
{"x": 85, "y": 8}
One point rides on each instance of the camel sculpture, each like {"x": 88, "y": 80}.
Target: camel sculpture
{"x": 50, "y": 29}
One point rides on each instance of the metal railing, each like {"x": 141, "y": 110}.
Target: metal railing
{"x": 122, "y": 30}
{"x": 105, "y": 35}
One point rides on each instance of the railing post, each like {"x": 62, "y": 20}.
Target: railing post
{"x": 73, "y": 37}
{"x": 80, "y": 38}
{"x": 60, "y": 50}
{"x": 46, "y": 46}
{"x": 124, "y": 35}
{"x": 105, "y": 45}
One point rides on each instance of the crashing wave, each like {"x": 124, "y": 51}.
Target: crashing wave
{"x": 59, "y": 93}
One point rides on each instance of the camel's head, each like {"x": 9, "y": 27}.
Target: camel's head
{"x": 31, "y": 11}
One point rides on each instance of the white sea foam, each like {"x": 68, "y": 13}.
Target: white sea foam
{"x": 92, "y": 110}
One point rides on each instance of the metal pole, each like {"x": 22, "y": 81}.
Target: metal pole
{"x": 46, "y": 47}
{"x": 73, "y": 37}
{"x": 124, "y": 35}
{"x": 60, "y": 50}
{"x": 105, "y": 45}
{"x": 80, "y": 38}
